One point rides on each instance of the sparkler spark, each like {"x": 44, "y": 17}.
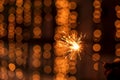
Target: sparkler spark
{"x": 75, "y": 46}
{"x": 74, "y": 43}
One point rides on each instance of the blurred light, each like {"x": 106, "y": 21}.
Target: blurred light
{"x": 19, "y": 10}
{"x": 19, "y": 60}
{"x": 72, "y": 78}
{"x": 73, "y": 25}
{"x": 62, "y": 4}
{"x": 37, "y": 32}
{"x": 60, "y": 76}
{"x": 3, "y": 74}
{"x": 117, "y": 52}
{"x": 47, "y": 69}
{"x": 37, "y": 3}
{"x": 96, "y": 47}
{"x": 4, "y": 63}
{"x": 27, "y": 18}
{"x": 97, "y": 14}
{"x": 117, "y": 46}
{"x": 63, "y": 30}
{"x": 97, "y": 33}
{"x": 62, "y": 17}
{"x": 61, "y": 65}
{"x": 117, "y": 7}
{"x": 19, "y": 38}
{"x": 19, "y": 73}
{"x": 37, "y": 19}
{"x": 96, "y": 20}
{"x": 37, "y": 48}
{"x": 11, "y": 74}
{"x": 36, "y": 63}
{"x": 47, "y": 54}
{"x": 12, "y": 66}
{"x": 118, "y": 14}
{"x": 11, "y": 18}
{"x": 27, "y": 5}
{"x": 73, "y": 17}
{"x": 72, "y": 63}
{"x": 1, "y": 8}
{"x": 117, "y": 23}
{"x": 95, "y": 57}
{"x": 19, "y": 3}
{"x": 116, "y": 60}
{"x": 1, "y": 18}
{"x": 117, "y": 34}
{"x": 2, "y": 2}
{"x": 73, "y": 70}
{"x": 18, "y": 52}
{"x": 3, "y": 52}
{"x": 97, "y": 4}
{"x": 36, "y": 55}
{"x": 47, "y": 47}
{"x": 60, "y": 48}
{"x": 36, "y": 76}
{"x": 3, "y": 31}
{"x": 19, "y": 45}
{"x": 47, "y": 3}
{"x": 95, "y": 66}
{"x": 72, "y": 5}
{"x": 18, "y": 30}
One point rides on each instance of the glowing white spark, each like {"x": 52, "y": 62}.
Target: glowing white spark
{"x": 74, "y": 44}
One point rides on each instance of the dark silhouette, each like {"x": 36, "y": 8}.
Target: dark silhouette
{"x": 112, "y": 71}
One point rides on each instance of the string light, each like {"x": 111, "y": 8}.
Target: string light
{"x": 117, "y": 34}
{"x": 97, "y": 34}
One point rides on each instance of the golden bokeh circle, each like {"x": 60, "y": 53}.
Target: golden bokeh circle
{"x": 97, "y": 4}
{"x": 117, "y": 34}
{"x": 47, "y": 69}
{"x": 47, "y": 54}
{"x": 37, "y": 48}
{"x": 18, "y": 30}
{"x": 96, "y": 47}
{"x": 72, "y": 5}
{"x": 36, "y": 76}
{"x": 97, "y": 33}
{"x": 96, "y": 66}
{"x": 117, "y": 52}
{"x": 19, "y": 73}
{"x": 36, "y": 63}
{"x": 117, "y": 23}
{"x": 19, "y": 60}
{"x": 47, "y": 47}
{"x": 95, "y": 57}
{"x": 37, "y": 31}
{"x": 117, "y": 7}
{"x": 12, "y": 66}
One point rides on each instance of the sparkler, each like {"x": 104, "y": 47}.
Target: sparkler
{"x": 74, "y": 44}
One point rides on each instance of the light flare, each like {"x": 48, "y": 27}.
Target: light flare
{"x": 74, "y": 43}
